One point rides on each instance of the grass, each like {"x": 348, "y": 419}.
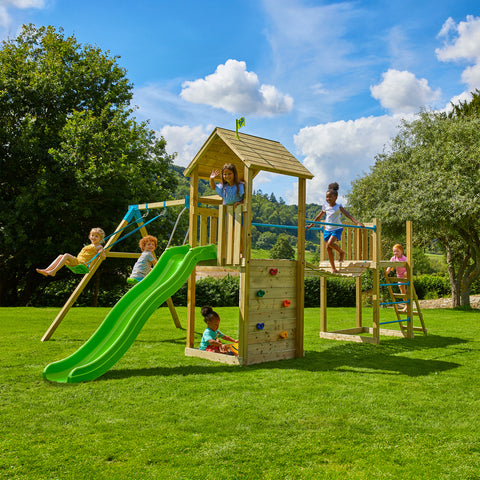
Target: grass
{"x": 405, "y": 409}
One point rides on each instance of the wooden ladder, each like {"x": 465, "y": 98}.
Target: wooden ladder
{"x": 395, "y": 296}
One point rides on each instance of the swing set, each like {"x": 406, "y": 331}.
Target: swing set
{"x": 133, "y": 216}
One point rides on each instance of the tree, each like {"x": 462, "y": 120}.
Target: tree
{"x": 283, "y": 248}
{"x": 266, "y": 240}
{"x": 431, "y": 177}
{"x": 72, "y": 156}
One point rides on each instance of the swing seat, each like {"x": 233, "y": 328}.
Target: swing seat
{"x": 79, "y": 269}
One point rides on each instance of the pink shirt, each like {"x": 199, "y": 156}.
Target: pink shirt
{"x": 401, "y": 271}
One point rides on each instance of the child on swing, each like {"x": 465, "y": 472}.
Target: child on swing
{"x": 146, "y": 261}
{"x": 210, "y": 339}
{"x": 333, "y": 213}
{"x": 87, "y": 253}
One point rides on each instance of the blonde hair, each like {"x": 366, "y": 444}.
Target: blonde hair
{"x": 144, "y": 240}
{"x": 99, "y": 231}
{"x": 398, "y": 247}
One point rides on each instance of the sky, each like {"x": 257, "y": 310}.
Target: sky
{"x": 329, "y": 80}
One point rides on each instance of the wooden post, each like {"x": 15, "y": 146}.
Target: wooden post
{"x": 409, "y": 288}
{"x": 357, "y": 233}
{"x": 193, "y": 242}
{"x": 300, "y": 268}
{"x": 245, "y": 277}
{"x": 323, "y": 291}
{"x": 375, "y": 248}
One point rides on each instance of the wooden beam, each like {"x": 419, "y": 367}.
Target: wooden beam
{"x": 300, "y": 273}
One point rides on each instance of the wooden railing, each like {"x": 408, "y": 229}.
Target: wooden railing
{"x": 221, "y": 226}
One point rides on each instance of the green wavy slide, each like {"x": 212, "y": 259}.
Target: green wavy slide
{"x": 123, "y": 323}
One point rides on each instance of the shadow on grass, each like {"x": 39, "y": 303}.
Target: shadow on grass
{"x": 355, "y": 357}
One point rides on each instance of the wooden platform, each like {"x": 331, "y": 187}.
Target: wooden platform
{"x": 348, "y": 268}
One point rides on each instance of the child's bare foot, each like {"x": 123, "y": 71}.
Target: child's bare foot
{"x": 404, "y": 309}
{"x": 43, "y": 272}
{"x": 334, "y": 270}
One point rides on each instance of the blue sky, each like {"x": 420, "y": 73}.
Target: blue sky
{"x": 329, "y": 80}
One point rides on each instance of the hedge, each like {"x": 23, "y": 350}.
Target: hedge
{"x": 224, "y": 292}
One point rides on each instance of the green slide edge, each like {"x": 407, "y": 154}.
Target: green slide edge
{"x": 123, "y": 323}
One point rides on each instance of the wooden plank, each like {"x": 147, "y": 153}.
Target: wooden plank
{"x": 205, "y": 212}
{"x": 280, "y": 292}
{"x": 358, "y": 302}
{"x": 213, "y": 230}
{"x": 203, "y": 230}
{"x": 388, "y": 333}
{"x": 221, "y": 236}
{"x": 347, "y": 338}
{"x": 350, "y": 331}
{"x": 216, "y": 357}
{"x": 237, "y": 239}
{"x": 275, "y": 304}
{"x": 122, "y": 254}
{"x": 266, "y": 283}
{"x": 272, "y": 335}
{"x": 271, "y": 357}
{"x": 167, "y": 203}
{"x": 271, "y": 347}
{"x": 262, "y": 316}
{"x": 229, "y": 236}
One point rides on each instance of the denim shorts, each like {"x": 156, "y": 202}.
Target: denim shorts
{"x": 337, "y": 233}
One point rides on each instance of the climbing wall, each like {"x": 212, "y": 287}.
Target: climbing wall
{"x": 271, "y": 310}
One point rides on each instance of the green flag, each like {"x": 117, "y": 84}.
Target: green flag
{"x": 240, "y": 123}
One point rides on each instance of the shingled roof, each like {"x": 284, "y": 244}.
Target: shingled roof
{"x": 222, "y": 146}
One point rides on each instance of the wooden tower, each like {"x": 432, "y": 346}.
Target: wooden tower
{"x": 271, "y": 306}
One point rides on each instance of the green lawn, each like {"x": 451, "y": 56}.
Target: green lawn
{"x": 406, "y": 409}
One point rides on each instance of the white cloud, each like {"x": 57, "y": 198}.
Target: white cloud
{"x": 471, "y": 77}
{"x": 456, "y": 100}
{"x": 340, "y": 151}
{"x": 6, "y": 5}
{"x": 402, "y": 92}
{"x": 236, "y": 90}
{"x": 185, "y": 141}
{"x": 462, "y": 43}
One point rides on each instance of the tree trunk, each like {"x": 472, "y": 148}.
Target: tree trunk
{"x": 460, "y": 296}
